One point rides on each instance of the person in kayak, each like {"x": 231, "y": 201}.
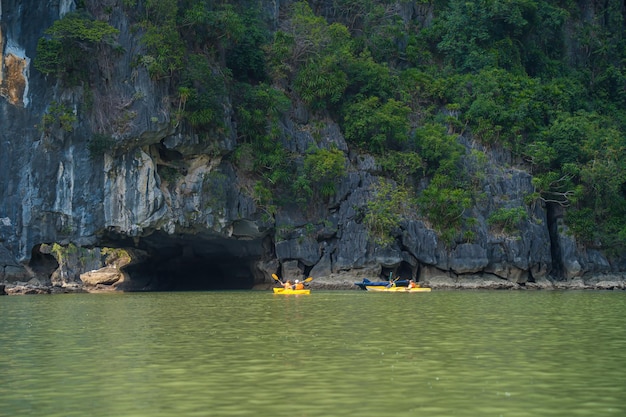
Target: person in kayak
{"x": 412, "y": 284}
{"x": 298, "y": 285}
{"x": 287, "y": 285}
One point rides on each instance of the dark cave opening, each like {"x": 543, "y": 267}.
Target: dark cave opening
{"x": 405, "y": 271}
{"x": 555, "y": 213}
{"x": 195, "y": 263}
{"x": 42, "y": 264}
{"x": 191, "y": 274}
{"x": 401, "y": 271}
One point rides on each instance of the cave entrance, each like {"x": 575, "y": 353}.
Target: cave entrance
{"x": 401, "y": 271}
{"x": 195, "y": 263}
{"x": 42, "y": 263}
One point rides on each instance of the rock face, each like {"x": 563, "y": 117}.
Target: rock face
{"x": 102, "y": 277}
{"x": 173, "y": 196}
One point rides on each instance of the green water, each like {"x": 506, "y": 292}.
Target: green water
{"x": 332, "y": 353}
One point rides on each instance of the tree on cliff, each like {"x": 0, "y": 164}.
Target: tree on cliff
{"x": 72, "y": 40}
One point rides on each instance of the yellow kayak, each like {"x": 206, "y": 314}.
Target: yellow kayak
{"x": 290, "y": 291}
{"x": 380, "y": 288}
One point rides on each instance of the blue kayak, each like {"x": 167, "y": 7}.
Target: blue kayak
{"x": 367, "y": 283}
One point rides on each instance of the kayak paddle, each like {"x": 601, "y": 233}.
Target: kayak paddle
{"x": 306, "y": 281}
{"x": 277, "y": 279}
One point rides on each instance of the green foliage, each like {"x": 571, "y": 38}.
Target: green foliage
{"x": 116, "y": 256}
{"x": 582, "y": 224}
{"x": 539, "y": 155}
{"x": 99, "y": 144}
{"x": 509, "y": 109}
{"x": 164, "y": 47}
{"x": 565, "y": 136}
{"x": 385, "y": 210}
{"x": 444, "y": 206}
{"x": 439, "y": 151}
{"x": 375, "y": 125}
{"x": 305, "y": 37}
{"x": 446, "y": 198}
{"x": 274, "y": 165}
{"x": 309, "y": 55}
{"x": 489, "y": 33}
{"x": 320, "y": 84}
{"x": 370, "y": 78}
{"x": 213, "y": 26}
{"x": 246, "y": 58}
{"x": 386, "y": 35}
{"x": 278, "y": 56}
{"x": 72, "y": 40}
{"x": 160, "y": 12}
{"x": 82, "y": 29}
{"x": 581, "y": 162}
{"x": 165, "y": 51}
{"x": 202, "y": 91}
{"x": 557, "y": 187}
{"x": 58, "y": 116}
{"x": 264, "y": 197}
{"x": 402, "y": 166}
{"x": 303, "y": 191}
{"x": 60, "y": 253}
{"x": 324, "y": 168}
{"x": 311, "y": 33}
{"x": 260, "y": 153}
{"x": 507, "y": 220}
{"x": 599, "y": 175}
{"x": 258, "y": 110}
{"x": 376, "y": 27}
{"x": 50, "y": 56}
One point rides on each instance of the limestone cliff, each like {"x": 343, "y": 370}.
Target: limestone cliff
{"x": 177, "y": 202}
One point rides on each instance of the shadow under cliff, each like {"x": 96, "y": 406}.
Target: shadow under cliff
{"x": 553, "y": 214}
{"x": 193, "y": 263}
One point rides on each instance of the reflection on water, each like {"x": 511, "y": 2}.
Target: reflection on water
{"x": 333, "y": 353}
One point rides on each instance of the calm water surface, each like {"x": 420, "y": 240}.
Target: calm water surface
{"x": 333, "y": 353}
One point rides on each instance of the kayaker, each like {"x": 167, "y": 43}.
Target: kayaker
{"x": 412, "y": 284}
{"x": 287, "y": 285}
{"x": 299, "y": 285}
